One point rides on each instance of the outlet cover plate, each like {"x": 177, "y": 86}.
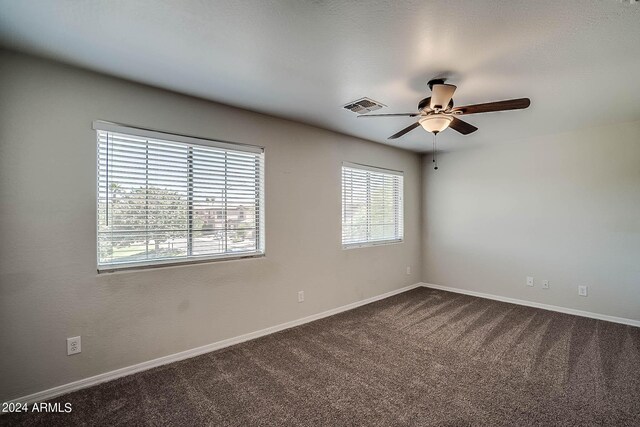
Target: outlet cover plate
{"x": 74, "y": 345}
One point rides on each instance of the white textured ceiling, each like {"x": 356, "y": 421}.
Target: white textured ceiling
{"x": 578, "y": 60}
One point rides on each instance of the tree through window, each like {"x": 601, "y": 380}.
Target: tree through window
{"x": 165, "y": 198}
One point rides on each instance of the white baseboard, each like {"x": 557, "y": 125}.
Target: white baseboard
{"x": 118, "y": 373}
{"x": 112, "y": 375}
{"x": 565, "y": 310}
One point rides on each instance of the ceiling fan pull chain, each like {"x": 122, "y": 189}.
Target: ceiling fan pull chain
{"x": 435, "y": 152}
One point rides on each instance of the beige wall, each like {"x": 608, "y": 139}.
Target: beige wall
{"x": 565, "y": 208}
{"x": 49, "y": 289}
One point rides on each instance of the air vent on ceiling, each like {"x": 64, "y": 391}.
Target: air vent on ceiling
{"x": 364, "y": 105}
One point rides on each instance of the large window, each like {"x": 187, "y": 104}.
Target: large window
{"x": 166, "y": 198}
{"x": 371, "y": 205}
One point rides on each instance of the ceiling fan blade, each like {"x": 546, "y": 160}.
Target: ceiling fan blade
{"x": 511, "y": 104}
{"x": 441, "y": 95}
{"x": 404, "y": 131}
{"x": 391, "y": 115}
{"x": 462, "y": 126}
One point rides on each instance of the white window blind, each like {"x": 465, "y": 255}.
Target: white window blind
{"x": 166, "y": 198}
{"x": 372, "y": 210}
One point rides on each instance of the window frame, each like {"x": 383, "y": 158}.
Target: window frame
{"x": 105, "y": 126}
{"x": 370, "y": 243}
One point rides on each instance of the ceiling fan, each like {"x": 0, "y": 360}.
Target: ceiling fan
{"x": 437, "y": 112}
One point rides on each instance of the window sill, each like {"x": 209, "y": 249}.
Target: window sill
{"x": 131, "y": 267}
{"x": 370, "y": 244}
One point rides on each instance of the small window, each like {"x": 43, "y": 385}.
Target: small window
{"x": 166, "y": 198}
{"x": 372, "y": 210}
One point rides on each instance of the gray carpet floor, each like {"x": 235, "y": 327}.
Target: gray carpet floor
{"x": 421, "y": 358}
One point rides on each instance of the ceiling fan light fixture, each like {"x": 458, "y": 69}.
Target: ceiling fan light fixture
{"x": 437, "y": 113}
{"x": 436, "y": 123}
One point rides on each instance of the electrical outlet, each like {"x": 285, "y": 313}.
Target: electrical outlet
{"x": 300, "y": 296}
{"x": 582, "y": 290}
{"x": 529, "y": 281}
{"x": 74, "y": 345}
{"x": 408, "y": 269}
{"x": 545, "y": 284}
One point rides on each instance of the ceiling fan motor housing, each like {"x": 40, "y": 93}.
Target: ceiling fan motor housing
{"x": 434, "y": 82}
{"x": 427, "y": 101}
